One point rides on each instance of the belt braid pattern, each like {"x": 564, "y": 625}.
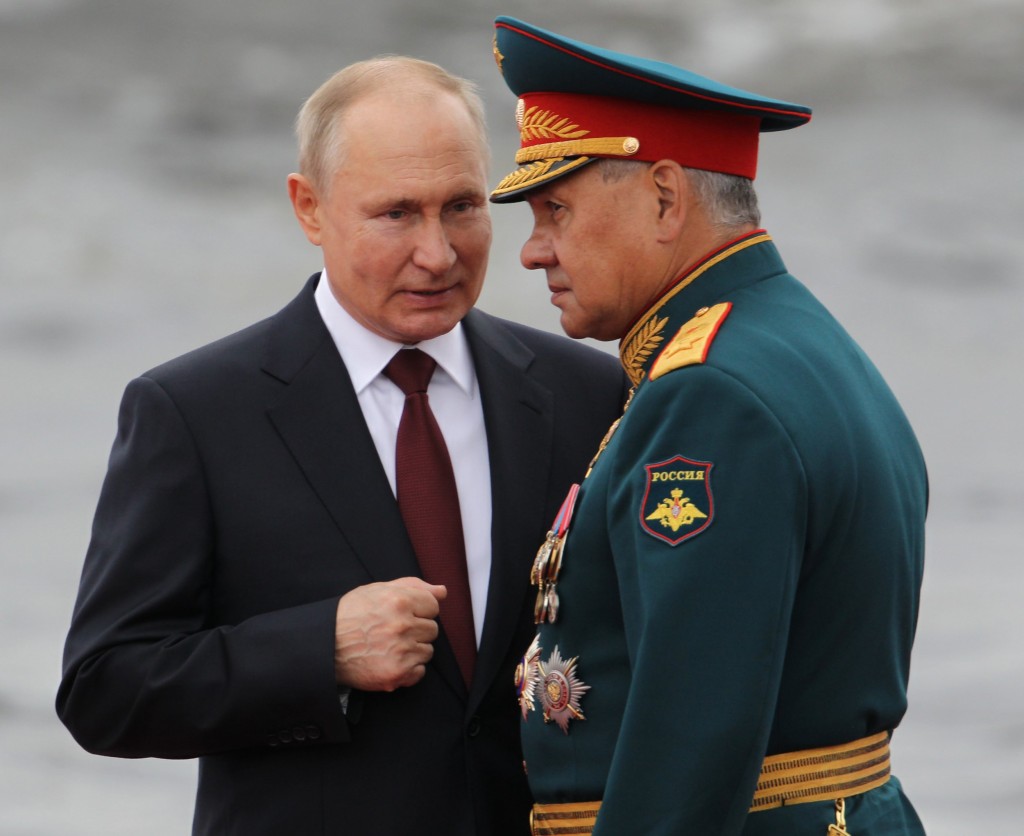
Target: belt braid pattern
{"x": 826, "y": 774}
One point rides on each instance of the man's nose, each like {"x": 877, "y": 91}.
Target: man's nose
{"x": 537, "y": 253}
{"x": 434, "y": 251}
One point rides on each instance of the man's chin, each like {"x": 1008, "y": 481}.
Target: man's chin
{"x": 418, "y": 326}
{"x": 575, "y": 329}
{"x": 580, "y": 328}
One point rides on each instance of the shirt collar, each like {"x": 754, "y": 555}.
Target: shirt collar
{"x": 365, "y": 353}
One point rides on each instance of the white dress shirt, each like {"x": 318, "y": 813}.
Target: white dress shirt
{"x": 455, "y": 401}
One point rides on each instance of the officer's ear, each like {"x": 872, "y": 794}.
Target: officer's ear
{"x": 306, "y": 203}
{"x": 673, "y": 188}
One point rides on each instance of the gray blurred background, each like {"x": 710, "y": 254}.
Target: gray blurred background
{"x": 144, "y": 148}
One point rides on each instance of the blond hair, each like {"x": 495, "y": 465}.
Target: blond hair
{"x": 317, "y": 127}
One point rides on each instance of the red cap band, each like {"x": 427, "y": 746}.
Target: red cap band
{"x": 713, "y": 140}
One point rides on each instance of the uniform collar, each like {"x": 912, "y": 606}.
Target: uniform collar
{"x": 639, "y": 347}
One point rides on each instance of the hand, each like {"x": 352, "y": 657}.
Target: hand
{"x": 384, "y": 633}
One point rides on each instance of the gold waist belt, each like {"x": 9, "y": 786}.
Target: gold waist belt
{"x": 825, "y": 774}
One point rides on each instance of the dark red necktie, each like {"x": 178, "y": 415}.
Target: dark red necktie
{"x": 429, "y": 502}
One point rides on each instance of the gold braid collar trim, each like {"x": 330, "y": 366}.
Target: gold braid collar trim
{"x": 636, "y": 347}
{"x": 634, "y": 356}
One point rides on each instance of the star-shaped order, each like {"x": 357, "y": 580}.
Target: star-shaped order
{"x": 561, "y": 690}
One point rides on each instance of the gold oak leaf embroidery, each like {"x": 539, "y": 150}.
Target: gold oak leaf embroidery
{"x": 527, "y": 173}
{"x": 642, "y": 346}
{"x": 543, "y": 124}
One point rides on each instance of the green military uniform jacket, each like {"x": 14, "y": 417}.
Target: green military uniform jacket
{"x": 741, "y": 572}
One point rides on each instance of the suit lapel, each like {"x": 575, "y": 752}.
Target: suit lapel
{"x": 320, "y": 421}
{"x": 519, "y": 422}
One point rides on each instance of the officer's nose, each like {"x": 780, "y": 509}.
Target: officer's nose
{"x": 537, "y": 252}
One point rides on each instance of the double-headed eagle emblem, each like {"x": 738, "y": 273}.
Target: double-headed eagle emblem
{"x": 676, "y": 512}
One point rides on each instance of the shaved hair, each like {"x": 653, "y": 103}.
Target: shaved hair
{"x": 729, "y": 200}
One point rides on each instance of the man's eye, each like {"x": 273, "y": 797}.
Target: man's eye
{"x": 396, "y": 214}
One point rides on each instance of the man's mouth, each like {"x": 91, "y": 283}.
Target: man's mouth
{"x": 428, "y": 294}
{"x": 432, "y": 290}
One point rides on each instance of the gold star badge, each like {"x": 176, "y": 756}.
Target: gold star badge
{"x": 561, "y": 690}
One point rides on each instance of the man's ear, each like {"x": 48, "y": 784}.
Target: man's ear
{"x": 306, "y": 203}
{"x": 673, "y": 189}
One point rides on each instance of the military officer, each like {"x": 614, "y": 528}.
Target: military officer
{"x": 727, "y": 600}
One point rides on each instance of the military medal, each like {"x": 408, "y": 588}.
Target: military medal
{"x": 548, "y": 562}
{"x": 527, "y": 676}
{"x": 560, "y": 690}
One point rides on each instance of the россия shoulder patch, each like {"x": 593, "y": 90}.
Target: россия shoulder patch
{"x": 677, "y": 503}
{"x": 691, "y": 343}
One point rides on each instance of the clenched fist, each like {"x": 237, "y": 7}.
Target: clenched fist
{"x": 384, "y": 634}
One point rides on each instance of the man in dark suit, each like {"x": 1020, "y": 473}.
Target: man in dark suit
{"x": 251, "y": 595}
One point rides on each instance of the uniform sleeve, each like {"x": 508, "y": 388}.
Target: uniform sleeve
{"x": 706, "y": 617}
{"x": 147, "y": 672}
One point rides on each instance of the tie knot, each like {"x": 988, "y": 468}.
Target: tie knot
{"x": 410, "y": 369}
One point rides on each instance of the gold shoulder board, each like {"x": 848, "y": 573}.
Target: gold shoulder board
{"x": 691, "y": 343}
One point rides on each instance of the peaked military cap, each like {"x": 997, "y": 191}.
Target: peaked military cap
{"x": 578, "y": 103}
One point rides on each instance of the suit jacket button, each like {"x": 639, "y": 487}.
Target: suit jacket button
{"x": 312, "y": 732}
{"x": 272, "y": 740}
{"x": 299, "y": 733}
{"x": 473, "y": 729}
{"x": 284, "y": 736}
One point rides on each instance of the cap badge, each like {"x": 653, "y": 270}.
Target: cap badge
{"x": 561, "y": 690}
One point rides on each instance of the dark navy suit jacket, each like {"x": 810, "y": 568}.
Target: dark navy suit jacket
{"x": 244, "y": 496}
